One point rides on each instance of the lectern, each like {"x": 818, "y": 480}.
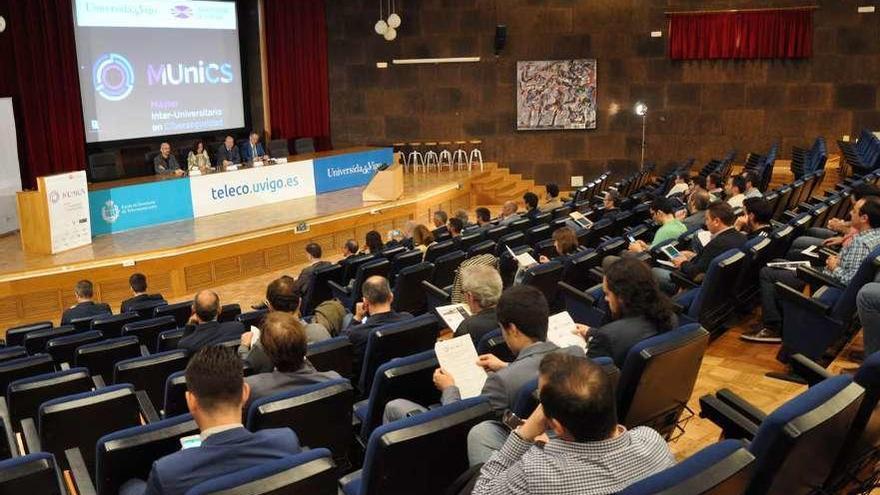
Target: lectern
{"x": 387, "y": 185}
{"x": 55, "y": 217}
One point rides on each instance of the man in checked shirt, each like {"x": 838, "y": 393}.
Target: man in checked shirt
{"x": 590, "y": 454}
{"x": 865, "y": 220}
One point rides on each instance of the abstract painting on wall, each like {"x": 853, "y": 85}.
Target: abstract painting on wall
{"x": 556, "y": 94}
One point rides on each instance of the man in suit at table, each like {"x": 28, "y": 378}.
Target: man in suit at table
{"x": 84, "y": 306}
{"x": 215, "y": 394}
{"x": 253, "y": 150}
{"x": 228, "y": 153}
{"x": 203, "y": 329}
{"x": 138, "y": 284}
{"x": 165, "y": 163}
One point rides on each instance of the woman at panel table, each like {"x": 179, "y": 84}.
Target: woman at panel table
{"x": 198, "y": 158}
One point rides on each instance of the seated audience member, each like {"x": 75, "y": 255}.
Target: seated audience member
{"x": 522, "y": 314}
{"x": 253, "y": 150}
{"x": 395, "y": 239}
{"x": 454, "y": 226}
{"x": 439, "y": 218}
{"x": 715, "y": 187}
{"x": 697, "y": 204}
{"x": 553, "y": 200}
{"x": 755, "y": 218}
{"x": 198, "y": 159}
{"x": 484, "y": 221}
{"x": 868, "y": 305}
{"x": 422, "y": 238}
{"x": 284, "y": 340}
{"x": 215, "y": 395}
{"x": 203, "y": 329}
{"x": 735, "y": 190}
{"x": 313, "y": 254}
{"x": 837, "y": 232}
{"x": 372, "y": 243}
{"x": 350, "y": 248}
{"x": 865, "y": 219}
{"x": 589, "y": 452}
{"x": 281, "y": 298}
{"x": 84, "y": 306}
{"x": 508, "y": 213}
{"x": 719, "y": 222}
{"x": 670, "y": 227}
{"x": 611, "y": 204}
{"x": 638, "y": 307}
{"x": 565, "y": 243}
{"x": 458, "y": 296}
{"x": 138, "y": 284}
{"x": 372, "y": 312}
{"x": 227, "y": 154}
{"x": 680, "y": 186}
{"x": 531, "y": 201}
{"x": 697, "y": 183}
{"x": 482, "y": 287}
{"x": 751, "y": 190}
{"x": 462, "y": 215}
{"x": 165, "y": 163}
{"x": 408, "y": 229}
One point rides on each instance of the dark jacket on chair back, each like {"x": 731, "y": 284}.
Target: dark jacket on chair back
{"x": 724, "y": 240}
{"x": 222, "y": 453}
{"x": 209, "y": 333}
{"x": 133, "y": 303}
{"x": 615, "y": 339}
{"x": 83, "y": 310}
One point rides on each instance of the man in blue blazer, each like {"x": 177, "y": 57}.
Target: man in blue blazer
{"x": 253, "y": 150}
{"x": 203, "y": 329}
{"x": 215, "y": 394}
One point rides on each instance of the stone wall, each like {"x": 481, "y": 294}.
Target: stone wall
{"x": 697, "y": 109}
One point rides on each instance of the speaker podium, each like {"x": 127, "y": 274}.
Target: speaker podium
{"x": 387, "y": 185}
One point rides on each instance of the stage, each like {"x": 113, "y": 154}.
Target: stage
{"x": 184, "y": 256}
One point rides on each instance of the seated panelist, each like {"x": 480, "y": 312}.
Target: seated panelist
{"x": 253, "y": 150}
{"x": 165, "y": 163}
{"x": 228, "y": 153}
{"x": 198, "y": 158}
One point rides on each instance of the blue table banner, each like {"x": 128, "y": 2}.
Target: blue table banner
{"x": 140, "y": 205}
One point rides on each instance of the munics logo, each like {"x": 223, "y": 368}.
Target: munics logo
{"x": 113, "y": 76}
{"x": 181, "y": 11}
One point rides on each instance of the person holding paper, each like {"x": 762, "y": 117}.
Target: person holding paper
{"x": 680, "y": 186}
{"x": 482, "y": 287}
{"x": 523, "y": 314}
{"x": 590, "y": 451}
{"x": 865, "y": 217}
{"x": 638, "y": 308}
{"x": 253, "y": 151}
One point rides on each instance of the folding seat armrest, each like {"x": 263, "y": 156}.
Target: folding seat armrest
{"x": 682, "y": 281}
{"x": 808, "y": 369}
{"x": 144, "y": 350}
{"x": 789, "y": 214}
{"x": 577, "y": 293}
{"x": 741, "y": 405}
{"x": 79, "y": 472}
{"x": 732, "y": 423}
{"x": 31, "y": 437}
{"x": 597, "y": 273}
{"x": 98, "y": 381}
{"x": 808, "y": 303}
{"x": 776, "y": 224}
{"x": 12, "y": 445}
{"x": 605, "y": 238}
{"x": 815, "y": 278}
{"x": 644, "y": 257}
{"x": 807, "y": 205}
{"x": 338, "y": 289}
{"x": 146, "y": 406}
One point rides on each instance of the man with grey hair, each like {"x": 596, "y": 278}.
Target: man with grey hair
{"x": 482, "y": 287}
{"x": 462, "y": 215}
{"x": 440, "y": 218}
{"x": 373, "y": 311}
{"x": 508, "y": 213}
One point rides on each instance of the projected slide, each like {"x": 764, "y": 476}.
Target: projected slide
{"x": 157, "y": 67}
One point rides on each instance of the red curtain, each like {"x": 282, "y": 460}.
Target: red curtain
{"x": 46, "y": 91}
{"x": 296, "y": 48}
{"x": 741, "y": 35}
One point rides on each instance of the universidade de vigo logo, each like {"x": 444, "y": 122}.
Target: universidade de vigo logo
{"x": 110, "y": 212}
